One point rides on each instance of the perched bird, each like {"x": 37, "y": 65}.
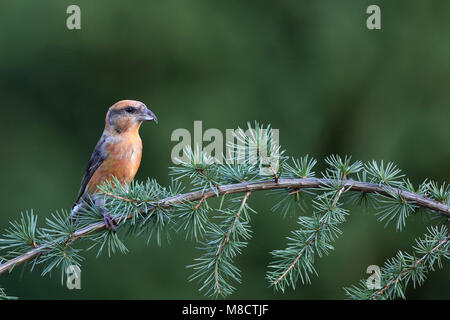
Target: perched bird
{"x": 117, "y": 154}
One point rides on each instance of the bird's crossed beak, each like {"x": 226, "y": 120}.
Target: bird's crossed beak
{"x": 147, "y": 115}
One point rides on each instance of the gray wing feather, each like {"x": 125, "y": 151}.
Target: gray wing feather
{"x": 96, "y": 160}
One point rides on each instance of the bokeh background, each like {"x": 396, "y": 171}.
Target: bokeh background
{"x": 310, "y": 68}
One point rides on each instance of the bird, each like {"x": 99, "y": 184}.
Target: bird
{"x": 117, "y": 155}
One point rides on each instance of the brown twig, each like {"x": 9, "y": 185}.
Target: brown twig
{"x": 199, "y": 203}
{"x": 399, "y": 277}
{"x": 202, "y": 172}
{"x": 313, "y": 237}
{"x": 275, "y": 176}
{"x": 226, "y": 239}
{"x": 294, "y": 192}
{"x": 123, "y": 198}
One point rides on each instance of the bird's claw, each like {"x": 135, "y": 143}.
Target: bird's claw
{"x": 109, "y": 222}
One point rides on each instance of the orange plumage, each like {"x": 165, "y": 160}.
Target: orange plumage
{"x": 123, "y": 161}
{"x": 118, "y": 152}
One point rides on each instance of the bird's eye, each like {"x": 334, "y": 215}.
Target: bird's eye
{"x": 130, "y": 109}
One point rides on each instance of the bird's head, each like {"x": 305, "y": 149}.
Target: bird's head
{"x": 128, "y": 115}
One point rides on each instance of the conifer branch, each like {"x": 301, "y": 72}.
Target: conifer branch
{"x": 311, "y": 239}
{"x": 4, "y": 296}
{"x": 226, "y": 239}
{"x": 405, "y": 268}
{"x": 148, "y": 208}
{"x": 408, "y": 269}
{"x": 302, "y": 183}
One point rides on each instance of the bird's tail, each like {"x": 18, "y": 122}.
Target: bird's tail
{"x": 75, "y": 212}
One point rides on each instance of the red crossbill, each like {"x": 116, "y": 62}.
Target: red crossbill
{"x": 117, "y": 154}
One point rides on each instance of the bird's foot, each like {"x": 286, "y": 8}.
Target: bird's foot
{"x": 110, "y": 223}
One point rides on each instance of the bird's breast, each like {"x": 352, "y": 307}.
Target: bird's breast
{"x": 123, "y": 157}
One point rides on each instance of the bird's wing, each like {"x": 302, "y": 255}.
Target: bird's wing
{"x": 97, "y": 158}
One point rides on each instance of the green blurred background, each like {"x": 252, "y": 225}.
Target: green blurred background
{"x": 310, "y": 68}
